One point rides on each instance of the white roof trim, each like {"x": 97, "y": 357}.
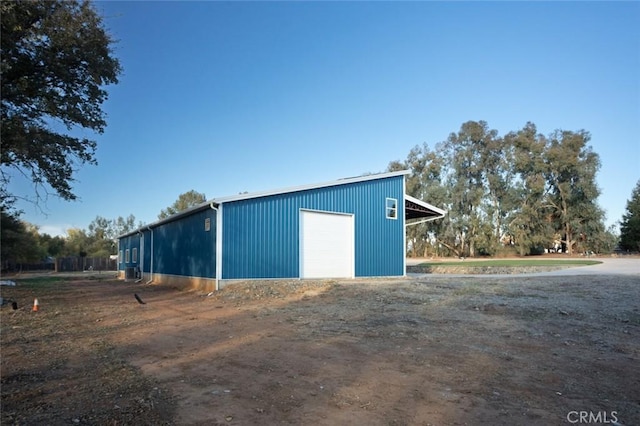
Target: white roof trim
{"x": 425, "y": 205}
{"x": 199, "y": 207}
{"x": 308, "y": 187}
{"x": 217, "y": 201}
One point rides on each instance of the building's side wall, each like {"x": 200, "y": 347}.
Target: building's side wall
{"x": 128, "y": 253}
{"x": 184, "y": 247}
{"x": 261, "y": 235}
{"x": 146, "y": 251}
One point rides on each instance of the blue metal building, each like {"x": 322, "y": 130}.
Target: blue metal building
{"x": 348, "y": 228}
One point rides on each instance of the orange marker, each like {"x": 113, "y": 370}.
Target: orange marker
{"x": 35, "y": 305}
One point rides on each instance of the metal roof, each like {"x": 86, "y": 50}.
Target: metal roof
{"x": 418, "y": 209}
{"x": 220, "y": 200}
{"x": 344, "y": 181}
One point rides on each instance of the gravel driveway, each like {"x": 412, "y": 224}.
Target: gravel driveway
{"x": 609, "y": 266}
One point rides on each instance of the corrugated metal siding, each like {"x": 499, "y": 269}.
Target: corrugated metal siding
{"x": 129, "y": 243}
{"x": 183, "y": 247}
{"x": 146, "y": 248}
{"x": 261, "y": 235}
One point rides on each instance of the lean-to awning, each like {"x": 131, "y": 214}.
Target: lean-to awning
{"x": 417, "y": 211}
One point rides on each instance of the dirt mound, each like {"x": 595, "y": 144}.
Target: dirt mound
{"x": 244, "y": 291}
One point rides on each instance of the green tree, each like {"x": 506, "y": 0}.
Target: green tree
{"x": 77, "y": 242}
{"x": 53, "y": 246}
{"x": 630, "y": 225}
{"x": 11, "y": 231}
{"x": 497, "y": 160}
{"x": 100, "y": 238}
{"x": 523, "y": 190}
{"x": 571, "y": 175}
{"x": 530, "y": 224}
{"x": 475, "y": 185}
{"x": 424, "y": 183}
{"x": 19, "y": 243}
{"x": 557, "y": 192}
{"x": 600, "y": 240}
{"x": 56, "y": 57}
{"x": 122, "y": 225}
{"x": 470, "y": 176}
{"x": 185, "y": 201}
{"x": 102, "y": 233}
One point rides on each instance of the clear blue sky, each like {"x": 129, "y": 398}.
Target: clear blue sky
{"x": 231, "y": 97}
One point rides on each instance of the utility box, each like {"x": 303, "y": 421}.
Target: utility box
{"x": 130, "y": 273}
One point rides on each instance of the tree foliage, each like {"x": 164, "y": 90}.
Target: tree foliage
{"x": 100, "y": 239}
{"x": 572, "y": 191}
{"x": 424, "y": 183}
{"x": 185, "y": 201}
{"x": 56, "y": 57}
{"x": 475, "y": 183}
{"x": 524, "y": 191}
{"x": 22, "y": 242}
{"x": 630, "y": 225}
{"x": 529, "y": 227}
{"x": 76, "y": 243}
{"x": 18, "y": 242}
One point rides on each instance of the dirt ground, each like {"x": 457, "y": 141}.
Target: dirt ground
{"x": 415, "y": 351}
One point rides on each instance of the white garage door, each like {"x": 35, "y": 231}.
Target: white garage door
{"x": 326, "y": 245}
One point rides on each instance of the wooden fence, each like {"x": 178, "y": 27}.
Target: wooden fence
{"x": 73, "y": 264}
{"x": 63, "y": 264}
{"x": 12, "y": 267}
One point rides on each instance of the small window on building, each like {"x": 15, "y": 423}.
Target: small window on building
{"x": 207, "y": 224}
{"x": 134, "y": 255}
{"x": 126, "y": 256}
{"x": 391, "y": 208}
{"x": 120, "y": 256}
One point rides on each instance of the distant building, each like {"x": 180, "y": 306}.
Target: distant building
{"x": 347, "y": 228}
